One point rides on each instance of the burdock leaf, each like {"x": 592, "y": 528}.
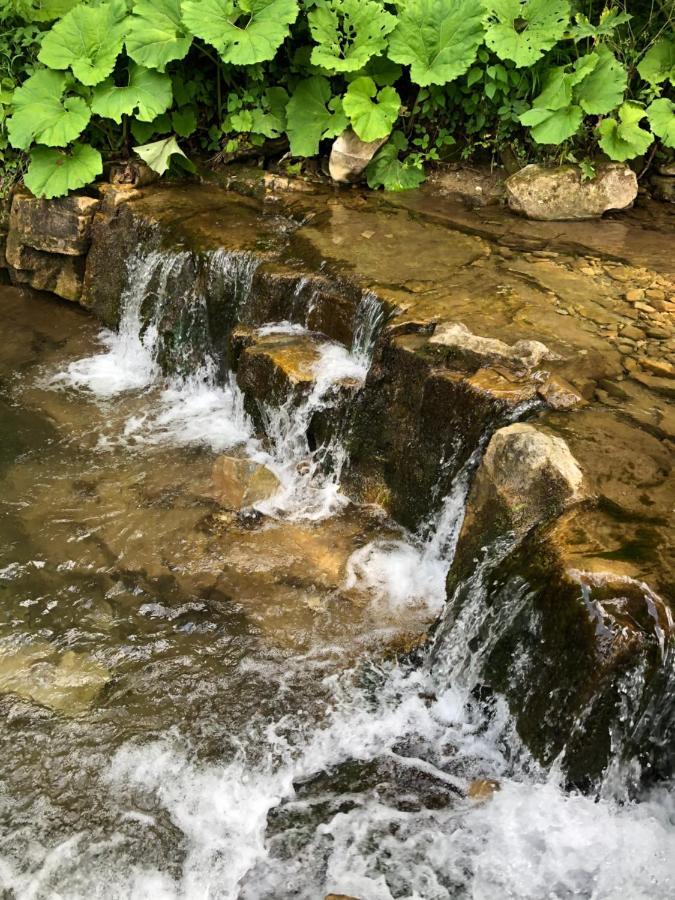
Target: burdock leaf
{"x": 243, "y": 32}
{"x": 348, "y": 33}
{"x": 87, "y": 40}
{"x": 658, "y": 63}
{"x": 148, "y": 95}
{"x": 522, "y": 30}
{"x": 53, "y": 173}
{"x": 40, "y": 114}
{"x": 438, "y": 39}
{"x": 158, "y": 154}
{"x": 602, "y": 89}
{"x": 371, "y": 113}
{"x": 156, "y": 34}
{"x": 386, "y": 170}
{"x": 553, "y": 126}
{"x": 625, "y": 139}
{"x": 312, "y": 115}
{"x": 661, "y": 115}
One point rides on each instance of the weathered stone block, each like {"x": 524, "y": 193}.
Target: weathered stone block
{"x": 53, "y": 226}
{"x": 62, "y": 275}
{"x": 539, "y": 192}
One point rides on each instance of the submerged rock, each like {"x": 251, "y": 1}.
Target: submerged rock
{"x": 66, "y": 684}
{"x": 539, "y": 192}
{"x": 239, "y": 483}
{"x": 349, "y": 156}
{"x": 479, "y": 351}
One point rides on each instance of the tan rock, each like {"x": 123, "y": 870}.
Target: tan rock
{"x": 560, "y": 193}
{"x": 66, "y": 684}
{"x": 634, "y": 295}
{"x": 349, "y": 156}
{"x": 482, "y": 789}
{"x": 658, "y": 367}
{"x": 60, "y": 274}
{"x": 240, "y": 483}
{"x": 482, "y": 351}
{"x": 53, "y": 226}
{"x": 559, "y": 394}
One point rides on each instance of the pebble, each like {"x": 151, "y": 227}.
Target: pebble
{"x": 645, "y": 308}
{"x": 655, "y": 294}
{"x": 634, "y": 295}
{"x": 658, "y": 367}
{"x": 633, "y": 333}
{"x": 655, "y": 332}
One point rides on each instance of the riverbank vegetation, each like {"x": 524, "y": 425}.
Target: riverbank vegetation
{"x": 85, "y": 84}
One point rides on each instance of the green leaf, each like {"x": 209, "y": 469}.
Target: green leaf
{"x": 148, "y": 94}
{"x": 87, "y": 40}
{"x": 156, "y": 34}
{"x": 553, "y": 126}
{"x": 143, "y": 131}
{"x": 609, "y": 20}
{"x": 40, "y": 114}
{"x": 158, "y": 154}
{"x": 388, "y": 171}
{"x": 371, "y": 113}
{"x": 557, "y": 90}
{"x": 658, "y": 64}
{"x": 348, "y": 33}
{"x": 602, "y": 89}
{"x": 184, "y": 121}
{"x": 44, "y": 10}
{"x": 243, "y": 32}
{"x": 661, "y": 115}
{"x": 383, "y": 71}
{"x": 312, "y": 115}
{"x": 522, "y": 30}
{"x": 438, "y": 39}
{"x": 624, "y": 139}
{"x": 53, "y": 173}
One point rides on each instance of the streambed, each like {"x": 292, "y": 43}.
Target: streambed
{"x": 200, "y": 703}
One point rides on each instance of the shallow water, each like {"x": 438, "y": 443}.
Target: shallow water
{"x": 199, "y": 704}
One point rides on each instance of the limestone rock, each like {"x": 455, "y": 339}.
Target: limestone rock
{"x": 66, "y": 684}
{"x": 350, "y": 155}
{"x": 482, "y": 351}
{"x": 62, "y": 275}
{"x": 664, "y": 188}
{"x": 538, "y": 192}
{"x": 526, "y": 477}
{"x": 559, "y": 393}
{"x": 53, "y": 226}
{"x": 240, "y": 483}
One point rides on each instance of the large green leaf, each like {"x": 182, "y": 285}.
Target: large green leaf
{"x": 312, "y": 115}
{"x": 522, "y": 30}
{"x": 41, "y": 114}
{"x": 148, "y": 95}
{"x": 438, "y": 39}
{"x": 371, "y": 113}
{"x": 624, "y": 139}
{"x": 243, "y": 32}
{"x": 553, "y": 126}
{"x": 658, "y": 64}
{"x": 43, "y": 10}
{"x": 156, "y": 34}
{"x": 388, "y": 171}
{"x": 53, "y": 173}
{"x": 557, "y": 90}
{"x": 348, "y": 33}
{"x": 158, "y": 154}
{"x": 87, "y": 40}
{"x": 602, "y": 89}
{"x": 661, "y": 115}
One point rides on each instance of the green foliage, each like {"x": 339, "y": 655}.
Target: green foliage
{"x": 372, "y": 113}
{"x": 313, "y": 114}
{"x": 542, "y": 79}
{"x": 348, "y": 33}
{"x": 438, "y": 39}
{"x": 622, "y": 138}
{"x": 53, "y": 173}
{"x": 87, "y": 40}
{"x": 387, "y": 170}
{"x": 522, "y": 30}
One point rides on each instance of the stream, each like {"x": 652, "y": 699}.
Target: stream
{"x": 203, "y": 704}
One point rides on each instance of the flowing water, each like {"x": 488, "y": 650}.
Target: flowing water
{"x": 198, "y": 703}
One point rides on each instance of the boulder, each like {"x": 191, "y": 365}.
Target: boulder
{"x": 53, "y": 226}
{"x": 539, "y": 192}
{"x": 62, "y": 275}
{"x": 66, "y": 684}
{"x": 240, "y": 483}
{"x": 350, "y": 155}
{"x": 475, "y": 350}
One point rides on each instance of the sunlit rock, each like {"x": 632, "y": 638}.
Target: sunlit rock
{"x": 349, "y": 156}
{"x": 54, "y": 226}
{"x": 66, "y": 684}
{"x": 62, "y": 275}
{"x": 477, "y": 350}
{"x": 239, "y": 483}
{"x": 539, "y": 192}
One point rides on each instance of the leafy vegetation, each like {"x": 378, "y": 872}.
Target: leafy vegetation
{"x": 86, "y": 82}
